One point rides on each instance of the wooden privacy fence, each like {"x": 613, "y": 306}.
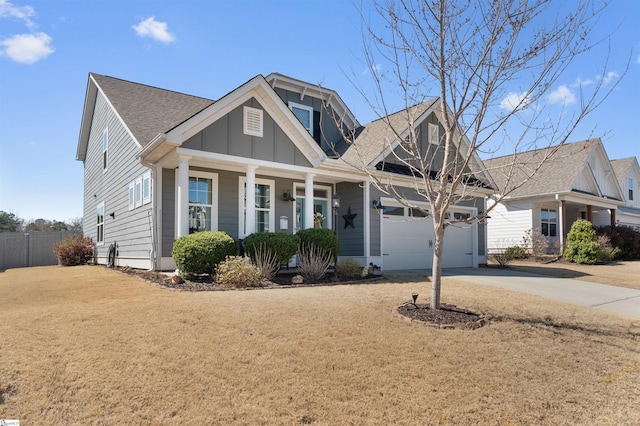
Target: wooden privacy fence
{"x": 20, "y": 249}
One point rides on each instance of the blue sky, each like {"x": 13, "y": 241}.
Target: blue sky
{"x": 208, "y": 48}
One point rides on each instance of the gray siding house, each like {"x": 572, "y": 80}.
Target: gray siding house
{"x": 160, "y": 164}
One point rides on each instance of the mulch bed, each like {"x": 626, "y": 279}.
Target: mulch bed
{"x": 205, "y": 283}
{"x": 448, "y": 316}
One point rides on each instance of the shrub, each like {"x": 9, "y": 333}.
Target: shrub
{"x": 349, "y": 269}
{"x": 74, "y": 250}
{"x": 314, "y": 261}
{"x": 321, "y": 238}
{"x": 607, "y": 251}
{"x": 517, "y": 252}
{"x": 623, "y": 238}
{"x": 201, "y": 252}
{"x": 238, "y": 271}
{"x": 582, "y": 246}
{"x": 502, "y": 257}
{"x": 266, "y": 261}
{"x": 284, "y": 246}
{"x": 535, "y": 239}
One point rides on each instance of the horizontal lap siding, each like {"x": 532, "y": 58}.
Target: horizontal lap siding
{"x": 130, "y": 229}
{"x": 508, "y": 224}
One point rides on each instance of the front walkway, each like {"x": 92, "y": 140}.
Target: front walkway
{"x": 607, "y": 297}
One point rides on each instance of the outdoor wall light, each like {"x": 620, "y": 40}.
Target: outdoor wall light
{"x": 286, "y": 196}
{"x": 335, "y": 201}
{"x": 113, "y": 215}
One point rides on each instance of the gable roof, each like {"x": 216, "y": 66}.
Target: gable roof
{"x": 557, "y": 174}
{"x": 144, "y": 110}
{"x": 621, "y": 168}
{"x": 375, "y": 138}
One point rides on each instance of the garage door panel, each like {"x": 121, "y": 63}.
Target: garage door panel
{"x": 406, "y": 244}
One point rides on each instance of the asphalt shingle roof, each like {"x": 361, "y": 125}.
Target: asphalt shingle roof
{"x": 376, "y": 136}
{"x": 556, "y": 175}
{"x": 148, "y": 110}
{"x": 621, "y": 167}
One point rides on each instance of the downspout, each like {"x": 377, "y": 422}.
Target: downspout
{"x": 154, "y": 173}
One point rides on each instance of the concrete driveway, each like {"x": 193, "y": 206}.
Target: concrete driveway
{"x": 606, "y": 297}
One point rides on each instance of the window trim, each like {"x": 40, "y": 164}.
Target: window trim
{"x": 630, "y": 183}
{"x": 138, "y": 192}
{"x": 434, "y": 133}
{"x": 214, "y": 195}
{"x": 132, "y": 197}
{"x": 146, "y": 177}
{"x": 305, "y": 108}
{"x": 105, "y": 150}
{"x": 329, "y": 215}
{"x": 252, "y": 121}
{"x": 242, "y": 182}
{"x": 100, "y": 224}
{"x": 549, "y": 223}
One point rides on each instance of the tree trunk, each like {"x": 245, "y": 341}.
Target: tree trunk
{"x": 436, "y": 271}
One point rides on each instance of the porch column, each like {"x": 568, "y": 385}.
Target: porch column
{"x": 183, "y": 195}
{"x": 561, "y": 212}
{"x": 613, "y": 217}
{"x": 308, "y": 201}
{"x": 250, "y": 220}
{"x": 367, "y": 220}
{"x": 590, "y": 213}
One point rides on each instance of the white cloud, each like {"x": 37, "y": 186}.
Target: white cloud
{"x": 154, "y": 29}
{"x": 562, "y": 95}
{"x": 517, "y": 101}
{"x": 611, "y": 75}
{"x": 27, "y": 48}
{"x": 582, "y": 83}
{"x": 375, "y": 68}
{"x": 8, "y": 10}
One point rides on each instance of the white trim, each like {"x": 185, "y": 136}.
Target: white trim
{"x": 242, "y": 181}
{"x": 146, "y": 177}
{"x": 132, "y": 196}
{"x": 259, "y": 89}
{"x": 214, "y": 195}
{"x": 307, "y": 108}
{"x": 434, "y": 133}
{"x": 252, "y": 121}
{"x": 328, "y": 213}
{"x": 115, "y": 112}
{"x": 138, "y": 192}
{"x": 100, "y": 224}
{"x": 105, "y": 150}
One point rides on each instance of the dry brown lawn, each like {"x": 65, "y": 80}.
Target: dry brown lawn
{"x": 87, "y": 345}
{"x": 623, "y": 274}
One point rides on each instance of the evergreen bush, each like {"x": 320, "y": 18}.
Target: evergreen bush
{"x": 284, "y": 246}
{"x": 582, "y": 245}
{"x": 201, "y": 252}
{"x": 320, "y": 238}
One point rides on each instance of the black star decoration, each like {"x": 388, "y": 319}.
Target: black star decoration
{"x": 348, "y": 218}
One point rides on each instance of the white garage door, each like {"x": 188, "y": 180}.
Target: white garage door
{"x": 407, "y": 242}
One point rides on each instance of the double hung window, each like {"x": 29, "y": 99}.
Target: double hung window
{"x": 100, "y": 223}
{"x": 304, "y": 113}
{"x": 549, "y": 222}
{"x": 203, "y": 189}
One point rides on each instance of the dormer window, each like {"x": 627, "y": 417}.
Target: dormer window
{"x": 304, "y": 113}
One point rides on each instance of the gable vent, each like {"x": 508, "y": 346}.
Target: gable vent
{"x": 252, "y": 121}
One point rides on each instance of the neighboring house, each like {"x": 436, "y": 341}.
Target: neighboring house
{"x": 628, "y": 174}
{"x": 160, "y": 164}
{"x": 577, "y": 181}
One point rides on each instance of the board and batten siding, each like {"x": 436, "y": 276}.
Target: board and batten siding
{"x": 351, "y": 239}
{"x": 328, "y": 133}
{"x": 130, "y": 229}
{"x": 226, "y": 136}
{"x": 507, "y": 225}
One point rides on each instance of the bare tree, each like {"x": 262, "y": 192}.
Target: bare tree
{"x": 486, "y": 69}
